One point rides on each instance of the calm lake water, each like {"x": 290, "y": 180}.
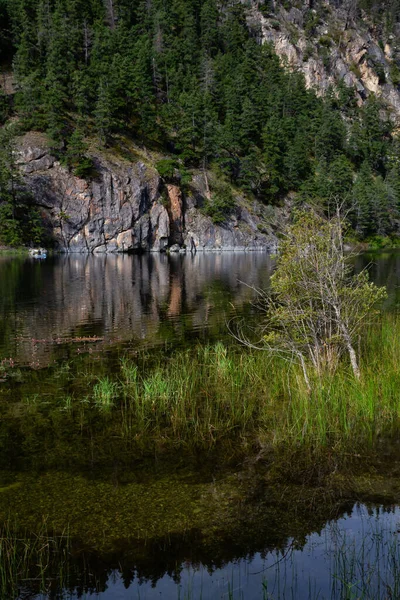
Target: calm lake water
{"x": 355, "y": 556}
{"x": 139, "y": 301}
{"x": 49, "y": 309}
{"x": 69, "y": 309}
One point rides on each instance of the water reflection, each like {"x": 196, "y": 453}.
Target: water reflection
{"x": 357, "y": 552}
{"x": 142, "y": 299}
{"x": 384, "y": 270}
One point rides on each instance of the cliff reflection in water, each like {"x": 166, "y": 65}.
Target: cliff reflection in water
{"x": 146, "y": 300}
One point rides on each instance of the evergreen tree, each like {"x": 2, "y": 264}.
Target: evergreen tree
{"x": 273, "y": 158}
{"x": 209, "y": 27}
{"x": 4, "y": 107}
{"x": 76, "y": 154}
{"x": 192, "y": 77}
{"x": 330, "y": 134}
{"x": 104, "y": 112}
{"x": 362, "y": 201}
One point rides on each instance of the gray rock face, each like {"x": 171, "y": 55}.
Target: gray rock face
{"x": 122, "y": 209}
{"x": 340, "y": 46}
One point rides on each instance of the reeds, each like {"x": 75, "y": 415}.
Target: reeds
{"x": 33, "y": 562}
{"x": 213, "y": 393}
{"x": 209, "y": 395}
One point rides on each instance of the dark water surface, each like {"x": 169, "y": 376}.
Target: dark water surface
{"x": 354, "y": 556}
{"x": 141, "y": 301}
{"x": 185, "y": 531}
{"x": 51, "y": 308}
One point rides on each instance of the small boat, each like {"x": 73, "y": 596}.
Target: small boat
{"x": 38, "y": 253}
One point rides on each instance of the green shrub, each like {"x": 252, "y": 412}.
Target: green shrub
{"x": 325, "y": 41}
{"x": 394, "y": 73}
{"x": 221, "y": 204}
{"x": 310, "y": 23}
{"x": 308, "y": 52}
{"x": 266, "y": 8}
{"x": 166, "y": 169}
{"x": 10, "y": 228}
{"x": 75, "y": 157}
{"x": 380, "y": 71}
{"x": 355, "y": 69}
{"x": 325, "y": 56}
{"x": 378, "y": 242}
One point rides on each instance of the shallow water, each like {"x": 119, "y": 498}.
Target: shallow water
{"x": 356, "y": 554}
{"x": 187, "y": 529}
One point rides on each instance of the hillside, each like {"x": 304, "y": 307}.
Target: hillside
{"x": 196, "y": 124}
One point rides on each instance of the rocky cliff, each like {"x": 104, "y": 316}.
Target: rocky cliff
{"x": 126, "y": 207}
{"x": 334, "y": 41}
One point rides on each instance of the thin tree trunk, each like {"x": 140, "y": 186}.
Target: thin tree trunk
{"x": 351, "y": 351}
{"x": 305, "y": 374}
{"x": 208, "y": 191}
{"x": 111, "y": 13}
{"x": 349, "y": 345}
{"x": 353, "y": 360}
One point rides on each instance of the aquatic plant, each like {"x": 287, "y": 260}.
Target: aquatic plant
{"x": 216, "y": 393}
{"x": 208, "y": 397}
{"x": 104, "y": 393}
{"x": 31, "y": 561}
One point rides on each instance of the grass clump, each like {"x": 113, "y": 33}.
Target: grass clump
{"x": 216, "y": 393}
{"x": 104, "y": 393}
{"x": 208, "y": 398}
{"x": 31, "y": 562}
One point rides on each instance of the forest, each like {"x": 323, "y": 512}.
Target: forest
{"x": 192, "y": 79}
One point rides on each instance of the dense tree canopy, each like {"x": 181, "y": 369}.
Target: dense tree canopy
{"x": 191, "y": 77}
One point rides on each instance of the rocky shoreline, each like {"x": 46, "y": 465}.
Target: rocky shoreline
{"x": 126, "y": 207}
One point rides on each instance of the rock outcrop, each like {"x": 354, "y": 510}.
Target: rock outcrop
{"x": 123, "y": 209}
{"x": 332, "y": 43}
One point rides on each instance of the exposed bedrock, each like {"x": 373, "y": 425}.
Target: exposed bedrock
{"x": 123, "y": 209}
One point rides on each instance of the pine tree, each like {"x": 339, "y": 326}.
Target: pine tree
{"x": 362, "y": 201}
{"x": 330, "y": 134}
{"x": 104, "y": 117}
{"x": 59, "y": 64}
{"x": 10, "y": 230}
{"x": 76, "y": 154}
{"x": 273, "y": 158}
{"x": 209, "y": 27}
{"x": 4, "y": 107}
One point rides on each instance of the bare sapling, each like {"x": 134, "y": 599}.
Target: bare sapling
{"x": 316, "y": 307}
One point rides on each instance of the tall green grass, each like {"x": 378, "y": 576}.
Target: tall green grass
{"x": 209, "y": 395}
{"x": 213, "y": 393}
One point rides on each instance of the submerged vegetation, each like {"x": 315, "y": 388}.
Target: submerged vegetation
{"x": 207, "y": 397}
{"x": 211, "y": 394}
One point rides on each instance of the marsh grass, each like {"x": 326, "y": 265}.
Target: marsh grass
{"x": 33, "y": 562}
{"x": 216, "y": 396}
{"x": 213, "y": 393}
{"x": 104, "y": 394}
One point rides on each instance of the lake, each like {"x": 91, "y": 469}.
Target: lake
{"x": 124, "y": 526}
